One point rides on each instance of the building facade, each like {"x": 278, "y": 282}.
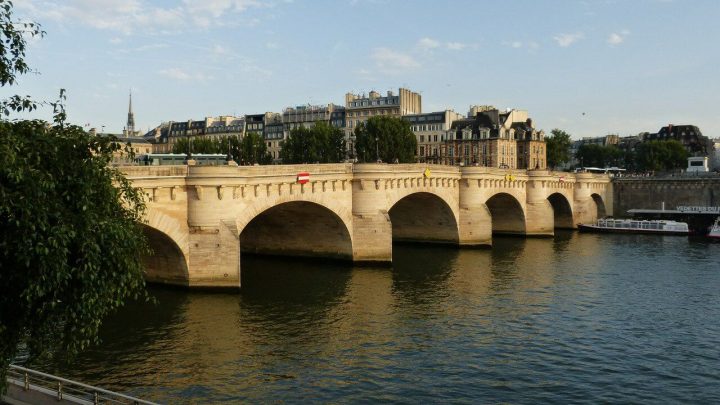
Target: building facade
{"x": 689, "y": 136}
{"x": 164, "y": 136}
{"x": 491, "y": 138}
{"x": 430, "y": 130}
{"x": 273, "y": 134}
{"x": 358, "y": 108}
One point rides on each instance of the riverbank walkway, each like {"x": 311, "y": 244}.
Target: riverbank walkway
{"x": 26, "y": 386}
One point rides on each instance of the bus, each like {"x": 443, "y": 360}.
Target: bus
{"x": 606, "y": 170}
{"x": 165, "y": 159}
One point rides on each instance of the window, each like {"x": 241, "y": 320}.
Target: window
{"x": 422, "y": 138}
{"x": 435, "y": 138}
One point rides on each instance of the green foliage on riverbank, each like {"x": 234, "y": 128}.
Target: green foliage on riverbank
{"x": 71, "y": 241}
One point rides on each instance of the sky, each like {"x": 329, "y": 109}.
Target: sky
{"x": 590, "y": 68}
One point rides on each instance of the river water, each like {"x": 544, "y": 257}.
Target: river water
{"x": 575, "y": 318}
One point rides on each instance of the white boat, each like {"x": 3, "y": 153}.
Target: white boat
{"x": 715, "y": 229}
{"x": 659, "y": 227}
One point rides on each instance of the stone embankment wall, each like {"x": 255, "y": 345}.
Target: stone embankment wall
{"x": 651, "y": 192}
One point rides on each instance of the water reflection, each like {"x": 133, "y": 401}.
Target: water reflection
{"x": 571, "y": 318}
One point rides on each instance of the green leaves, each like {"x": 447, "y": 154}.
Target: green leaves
{"x": 388, "y": 138}
{"x": 12, "y": 44}
{"x": 594, "y": 155}
{"x": 322, "y": 143}
{"x": 250, "y": 150}
{"x": 557, "y": 147}
{"x": 70, "y": 240}
{"x": 660, "y": 155}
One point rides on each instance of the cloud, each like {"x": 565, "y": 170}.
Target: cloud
{"x": 219, "y": 50}
{"x": 179, "y": 74}
{"x": 427, "y": 44}
{"x": 390, "y": 61}
{"x": 456, "y": 46}
{"x": 616, "y": 38}
{"x": 128, "y": 16}
{"x": 565, "y": 40}
{"x": 150, "y": 47}
{"x": 217, "y": 8}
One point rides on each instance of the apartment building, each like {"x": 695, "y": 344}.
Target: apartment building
{"x": 164, "y": 136}
{"x": 493, "y": 138}
{"x": 430, "y": 129}
{"x": 358, "y": 108}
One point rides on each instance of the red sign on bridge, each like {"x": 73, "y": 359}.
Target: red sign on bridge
{"x": 303, "y": 177}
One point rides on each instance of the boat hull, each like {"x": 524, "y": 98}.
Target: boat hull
{"x": 598, "y": 229}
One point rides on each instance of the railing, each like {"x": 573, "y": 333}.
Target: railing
{"x": 65, "y": 390}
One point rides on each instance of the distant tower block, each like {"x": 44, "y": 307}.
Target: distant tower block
{"x": 131, "y": 119}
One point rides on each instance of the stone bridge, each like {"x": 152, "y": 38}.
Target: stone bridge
{"x": 200, "y": 218}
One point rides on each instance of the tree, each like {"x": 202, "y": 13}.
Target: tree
{"x": 250, "y": 150}
{"x": 196, "y": 145}
{"x": 558, "y": 148}
{"x": 594, "y": 155}
{"x": 388, "y": 138}
{"x": 321, "y": 143}
{"x": 253, "y": 150}
{"x": 660, "y": 155}
{"x": 71, "y": 240}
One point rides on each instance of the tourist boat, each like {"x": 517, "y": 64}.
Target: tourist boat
{"x": 659, "y": 227}
{"x": 715, "y": 229}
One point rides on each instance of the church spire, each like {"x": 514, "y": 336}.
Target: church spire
{"x": 131, "y": 118}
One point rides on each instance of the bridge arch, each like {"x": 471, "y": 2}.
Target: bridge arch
{"x": 600, "y": 211}
{"x": 507, "y": 214}
{"x": 168, "y": 242}
{"x": 297, "y": 228}
{"x": 423, "y": 217}
{"x": 562, "y": 211}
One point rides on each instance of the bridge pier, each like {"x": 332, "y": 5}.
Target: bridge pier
{"x": 539, "y": 215}
{"x": 475, "y": 222}
{"x": 586, "y": 209}
{"x": 214, "y": 259}
{"x": 372, "y": 237}
{"x": 372, "y": 229}
{"x": 539, "y": 219}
